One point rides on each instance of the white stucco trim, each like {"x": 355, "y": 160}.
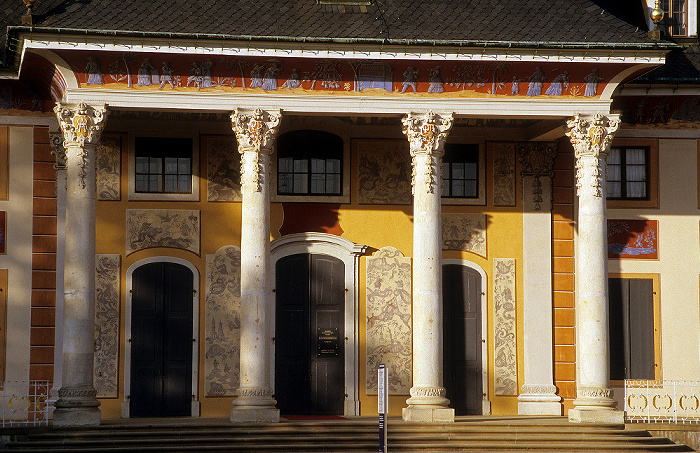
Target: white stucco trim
{"x": 486, "y": 403}
{"x": 195, "y": 329}
{"x": 349, "y": 253}
{"x": 61, "y": 65}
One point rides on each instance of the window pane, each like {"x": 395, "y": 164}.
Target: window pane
{"x": 636, "y": 173}
{"x": 614, "y": 156}
{"x": 284, "y": 164}
{"x": 457, "y": 171}
{"x": 141, "y": 164}
{"x": 614, "y": 173}
{"x": 470, "y": 170}
{"x": 333, "y": 166}
{"x": 614, "y": 189}
{"x": 333, "y": 184}
{"x": 457, "y": 188}
{"x": 318, "y": 166}
{"x": 170, "y": 166}
{"x": 445, "y": 187}
{"x": 635, "y": 156}
{"x": 284, "y": 183}
{"x": 141, "y": 183}
{"x": 184, "y": 184}
{"x": 471, "y": 189}
{"x": 171, "y": 183}
{"x": 301, "y": 183}
{"x": 183, "y": 166}
{"x": 301, "y": 166}
{"x": 318, "y": 183}
{"x": 636, "y": 190}
{"x": 155, "y": 183}
{"x": 155, "y": 165}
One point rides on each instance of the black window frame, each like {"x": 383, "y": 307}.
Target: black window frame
{"x": 455, "y": 154}
{"x": 623, "y": 174}
{"x": 309, "y": 146}
{"x": 163, "y": 148}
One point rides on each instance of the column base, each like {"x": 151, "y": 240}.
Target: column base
{"x": 428, "y": 414}
{"x": 77, "y": 407}
{"x": 255, "y": 415}
{"x": 608, "y": 416}
{"x": 539, "y": 400}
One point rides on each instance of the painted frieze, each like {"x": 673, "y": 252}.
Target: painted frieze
{"x": 173, "y": 228}
{"x": 384, "y": 171}
{"x": 503, "y": 155}
{"x": 109, "y": 167}
{"x": 223, "y": 169}
{"x": 222, "y": 322}
{"x": 107, "y": 271}
{"x": 505, "y": 345}
{"x": 389, "y": 320}
{"x": 633, "y": 238}
{"x": 464, "y": 232}
{"x": 347, "y": 76}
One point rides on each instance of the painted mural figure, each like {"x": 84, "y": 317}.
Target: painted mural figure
{"x": 195, "y": 77}
{"x": 206, "y": 69}
{"x": 435, "y": 78}
{"x": 167, "y": 76}
{"x": 256, "y": 76}
{"x": 535, "y": 82}
{"x": 293, "y": 80}
{"x": 515, "y": 87}
{"x": 145, "y": 72}
{"x": 410, "y": 77}
{"x": 659, "y": 112}
{"x": 270, "y": 77}
{"x": 559, "y": 84}
{"x": 94, "y": 71}
{"x": 641, "y": 112}
{"x": 592, "y": 80}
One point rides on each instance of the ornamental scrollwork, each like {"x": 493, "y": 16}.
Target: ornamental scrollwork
{"x": 591, "y": 139}
{"x": 426, "y": 136}
{"x": 254, "y": 392}
{"x": 428, "y": 391}
{"x": 594, "y": 392}
{"x": 56, "y": 141}
{"x": 537, "y": 159}
{"x": 255, "y": 132}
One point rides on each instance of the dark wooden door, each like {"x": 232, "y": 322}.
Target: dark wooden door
{"x": 310, "y": 335}
{"x": 161, "y": 341}
{"x": 461, "y": 286}
{"x": 631, "y": 327}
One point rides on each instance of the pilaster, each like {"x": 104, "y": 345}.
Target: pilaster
{"x": 538, "y": 394}
{"x": 591, "y": 138}
{"x": 77, "y": 404}
{"x": 256, "y": 132}
{"x": 426, "y": 136}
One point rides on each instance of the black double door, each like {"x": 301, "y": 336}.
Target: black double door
{"x": 161, "y": 341}
{"x": 462, "y": 365}
{"x": 310, "y": 335}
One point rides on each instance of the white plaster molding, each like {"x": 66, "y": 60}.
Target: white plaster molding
{"x": 349, "y": 253}
{"x": 195, "y": 328}
{"x": 61, "y": 65}
{"x": 486, "y": 403}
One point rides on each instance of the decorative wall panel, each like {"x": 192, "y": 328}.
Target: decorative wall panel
{"x": 107, "y": 271}
{"x": 637, "y": 239}
{"x": 174, "y": 228}
{"x": 222, "y": 322}
{"x": 384, "y": 171}
{"x": 109, "y": 168}
{"x": 389, "y": 320}
{"x": 223, "y": 169}
{"x": 464, "y": 232}
{"x": 503, "y": 155}
{"x": 505, "y": 346}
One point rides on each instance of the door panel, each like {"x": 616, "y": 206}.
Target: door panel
{"x": 161, "y": 341}
{"x": 462, "y": 365}
{"x": 309, "y": 338}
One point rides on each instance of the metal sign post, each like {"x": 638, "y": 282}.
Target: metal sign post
{"x": 382, "y": 405}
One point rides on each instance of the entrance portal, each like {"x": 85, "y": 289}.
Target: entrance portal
{"x": 161, "y": 341}
{"x": 310, "y": 335}
{"x": 462, "y": 364}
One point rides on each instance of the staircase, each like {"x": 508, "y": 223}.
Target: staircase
{"x": 467, "y": 434}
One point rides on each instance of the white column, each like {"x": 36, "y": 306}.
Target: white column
{"x": 426, "y": 135}
{"x": 77, "y": 405}
{"x": 56, "y": 140}
{"x": 255, "y": 132}
{"x": 539, "y": 395}
{"x": 591, "y": 138}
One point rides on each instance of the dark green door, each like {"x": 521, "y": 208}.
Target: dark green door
{"x": 161, "y": 341}
{"x": 461, "y": 286}
{"x": 310, "y": 335}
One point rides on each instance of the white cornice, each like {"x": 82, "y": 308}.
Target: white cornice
{"x": 47, "y": 41}
{"x": 339, "y": 104}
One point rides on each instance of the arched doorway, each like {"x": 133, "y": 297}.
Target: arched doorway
{"x": 160, "y": 372}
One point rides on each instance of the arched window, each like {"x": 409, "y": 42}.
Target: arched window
{"x": 309, "y": 163}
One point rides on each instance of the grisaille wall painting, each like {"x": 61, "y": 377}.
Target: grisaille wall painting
{"x": 384, "y": 173}
{"x": 503, "y": 155}
{"x": 223, "y": 168}
{"x": 108, "y": 165}
{"x": 464, "y": 232}
{"x": 222, "y": 322}
{"x": 173, "y": 228}
{"x": 107, "y": 271}
{"x": 505, "y": 347}
{"x": 389, "y": 319}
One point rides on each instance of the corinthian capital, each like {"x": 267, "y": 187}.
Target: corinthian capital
{"x": 591, "y": 138}
{"x": 82, "y": 124}
{"x": 427, "y": 133}
{"x": 255, "y": 130}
